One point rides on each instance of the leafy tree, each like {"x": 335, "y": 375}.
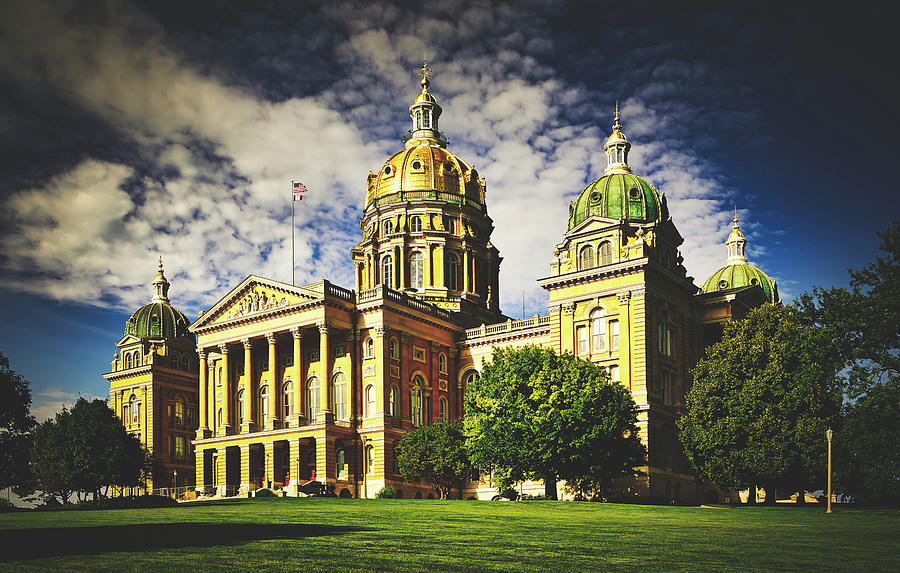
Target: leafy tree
{"x": 436, "y": 455}
{"x": 533, "y": 414}
{"x": 16, "y": 423}
{"x": 760, "y": 403}
{"x": 85, "y": 450}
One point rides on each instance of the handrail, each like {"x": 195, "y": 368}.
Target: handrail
{"x": 508, "y": 326}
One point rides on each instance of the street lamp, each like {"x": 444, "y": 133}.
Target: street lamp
{"x": 175, "y": 479}
{"x": 828, "y": 435}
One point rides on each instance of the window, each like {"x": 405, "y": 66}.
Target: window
{"x": 219, "y": 418}
{"x": 392, "y": 402}
{"x": 451, "y": 225}
{"x": 288, "y": 401}
{"x": 418, "y": 354}
{"x": 587, "y": 258}
{"x": 428, "y": 410}
{"x": 605, "y": 253}
{"x": 453, "y": 272}
{"x": 418, "y": 120}
{"x": 263, "y": 404}
{"x": 427, "y": 119}
{"x": 133, "y": 408}
{"x": 415, "y": 400}
{"x": 388, "y": 227}
{"x": 370, "y": 348}
{"x": 370, "y": 460}
{"x": 665, "y": 336}
{"x": 387, "y": 271}
{"x": 614, "y": 373}
{"x": 581, "y": 338}
{"x": 442, "y": 363}
{"x": 313, "y": 356}
{"x": 173, "y": 360}
{"x": 341, "y": 463}
{"x": 417, "y": 270}
{"x": 127, "y": 360}
{"x": 393, "y": 350}
{"x": 179, "y": 410}
{"x": 598, "y": 332}
{"x": 312, "y": 399}
{"x": 415, "y": 224}
{"x": 339, "y": 393}
{"x": 442, "y": 409}
{"x": 240, "y": 407}
{"x": 340, "y": 350}
{"x": 287, "y": 361}
{"x": 180, "y": 443}
{"x": 264, "y": 365}
{"x": 664, "y": 394}
{"x": 370, "y": 401}
{"x": 614, "y": 334}
{"x": 185, "y": 363}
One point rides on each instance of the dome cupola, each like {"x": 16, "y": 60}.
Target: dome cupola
{"x": 158, "y": 319}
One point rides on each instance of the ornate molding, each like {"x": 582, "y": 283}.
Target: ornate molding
{"x": 223, "y": 349}
{"x": 554, "y": 308}
{"x": 569, "y": 308}
{"x": 247, "y": 344}
{"x": 271, "y": 338}
{"x": 202, "y": 353}
{"x": 624, "y": 297}
{"x": 297, "y": 333}
{"x": 404, "y": 337}
{"x": 435, "y": 347}
{"x": 380, "y": 330}
{"x": 324, "y": 326}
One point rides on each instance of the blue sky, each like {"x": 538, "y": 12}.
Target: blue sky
{"x": 133, "y": 129}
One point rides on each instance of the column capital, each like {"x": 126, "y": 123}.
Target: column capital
{"x": 202, "y": 353}
{"x": 381, "y": 330}
{"x": 247, "y": 344}
{"x": 223, "y": 348}
{"x": 324, "y": 326}
{"x": 569, "y": 308}
{"x": 624, "y": 297}
{"x": 435, "y": 347}
{"x": 454, "y": 351}
{"x": 297, "y": 333}
{"x": 271, "y": 338}
{"x": 404, "y": 336}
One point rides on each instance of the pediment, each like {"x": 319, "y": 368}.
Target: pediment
{"x": 593, "y": 224}
{"x": 255, "y": 295}
{"x": 127, "y": 339}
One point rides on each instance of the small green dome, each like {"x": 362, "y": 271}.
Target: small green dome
{"x": 741, "y": 275}
{"x": 623, "y": 196}
{"x": 157, "y": 320}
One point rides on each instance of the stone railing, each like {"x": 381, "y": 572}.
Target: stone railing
{"x": 385, "y": 293}
{"x": 340, "y": 292}
{"x": 508, "y": 326}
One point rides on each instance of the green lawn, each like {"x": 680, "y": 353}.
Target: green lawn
{"x": 315, "y": 534}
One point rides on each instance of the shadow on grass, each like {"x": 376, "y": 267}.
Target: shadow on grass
{"x": 62, "y": 541}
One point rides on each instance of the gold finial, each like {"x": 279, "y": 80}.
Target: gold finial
{"x": 425, "y": 71}
{"x": 160, "y": 264}
{"x": 616, "y": 125}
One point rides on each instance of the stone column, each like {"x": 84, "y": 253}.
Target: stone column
{"x": 227, "y": 399}
{"x": 269, "y": 462}
{"x": 466, "y": 274}
{"x": 401, "y": 261}
{"x": 247, "y": 426}
{"x": 324, "y": 372}
{"x": 297, "y": 414}
{"x": 203, "y": 430}
{"x": 245, "y": 468}
{"x": 274, "y": 385}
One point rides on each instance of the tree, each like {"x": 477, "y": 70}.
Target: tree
{"x": 16, "y": 424}
{"x": 436, "y": 455}
{"x": 760, "y": 403}
{"x": 85, "y": 450}
{"x": 533, "y": 414}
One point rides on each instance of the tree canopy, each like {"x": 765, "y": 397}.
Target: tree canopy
{"x": 436, "y": 455}
{"x": 533, "y": 414}
{"x": 16, "y": 423}
{"x": 85, "y": 449}
{"x": 760, "y": 403}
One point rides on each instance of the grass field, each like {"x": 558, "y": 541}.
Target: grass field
{"x": 316, "y": 534}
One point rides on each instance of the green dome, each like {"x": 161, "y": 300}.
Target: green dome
{"x": 741, "y": 275}
{"x": 621, "y": 196}
{"x": 157, "y": 320}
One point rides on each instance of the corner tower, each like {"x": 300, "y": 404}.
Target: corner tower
{"x": 426, "y": 229}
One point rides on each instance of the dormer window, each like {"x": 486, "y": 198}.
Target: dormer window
{"x": 415, "y": 224}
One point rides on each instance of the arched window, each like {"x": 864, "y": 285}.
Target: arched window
{"x": 665, "y": 335}
{"x": 453, "y": 272}
{"x": 598, "y": 332}
{"x": 341, "y": 463}
{"x": 219, "y": 418}
{"x": 288, "y": 401}
{"x": 387, "y": 272}
{"x": 605, "y": 253}
{"x": 442, "y": 409}
{"x": 312, "y": 399}
{"x": 415, "y": 224}
{"x": 263, "y": 404}
{"x": 179, "y": 410}
{"x": 415, "y": 400}
{"x": 133, "y": 408}
{"x": 128, "y": 360}
{"x": 587, "y": 258}
{"x": 417, "y": 270}
{"x": 392, "y": 349}
{"x": 388, "y": 227}
{"x": 186, "y": 363}
{"x": 240, "y": 407}
{"x": 418, "y": 120}
{"x": 442, "y": 363}
{"x": 451, "y": 226}
{"x": 370, "y": 401}
{"x": 339, "y": 396}
{"x": 427, "y": 118}
{"x": 370, "y": 460}
{"x": 468, "y": 378}
{"x": 173, "y": 360}
{"x": 370, "y": 348}
{"x": 392, "y": 402}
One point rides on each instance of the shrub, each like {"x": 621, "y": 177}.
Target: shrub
{"x": 387, "y": 492}
{"x": 264, "y": 492}
{"x": 510, "y": 494}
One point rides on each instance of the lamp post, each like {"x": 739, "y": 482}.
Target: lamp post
{"x": 175, "y": 480}
{"x": 828, "y": 435}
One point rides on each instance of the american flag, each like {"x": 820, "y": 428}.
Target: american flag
{"x": 299, "y": 190}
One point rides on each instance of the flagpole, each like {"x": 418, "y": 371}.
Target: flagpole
{"x": 293, "y": 266}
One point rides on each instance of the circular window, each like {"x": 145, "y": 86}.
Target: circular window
{"x": 417, "y": 164}
{"x": 595, "y": 197}
{"x": 754, "y": 281}
{"x": 448, "y": 167}
{"x": 634, "y": 193}
{"x": 387, "y": 169}
{"x": 723, "y": 283}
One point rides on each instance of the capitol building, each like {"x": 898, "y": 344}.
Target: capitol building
{"x": 279, "y": 385}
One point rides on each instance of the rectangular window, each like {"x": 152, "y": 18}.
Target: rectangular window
{"x": 614, "y": 334}
{"x": 598, "y": 335}
{"x": 614, "y": 373}
{"x": 313, "y": 356}
{"x": 179, "y": 447}
{"x": 339, "y": 351}
{"x": 239, "y": 369}
{"x": 581, "y": 340}
{"x": 668, "y": 342}
{"x": 287, "y": 361}
{"x": 264, "y": 365}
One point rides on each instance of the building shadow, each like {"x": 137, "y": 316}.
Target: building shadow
{"x": 19, "y": 544}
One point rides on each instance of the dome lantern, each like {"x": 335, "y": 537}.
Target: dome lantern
{"x": 736, "y": 243}
{"x": 617, "y": 148}
{"x": 424, "y": 113}
{"x": 160, "y": 285}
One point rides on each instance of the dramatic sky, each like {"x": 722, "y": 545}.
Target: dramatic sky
{"x": 134, "y": 129}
